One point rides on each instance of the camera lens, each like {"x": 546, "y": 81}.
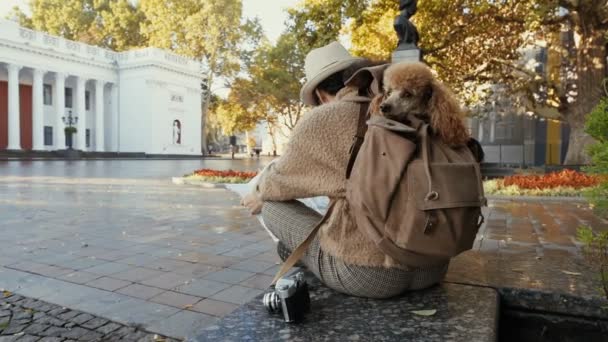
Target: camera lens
{"x": 271, "y": 302}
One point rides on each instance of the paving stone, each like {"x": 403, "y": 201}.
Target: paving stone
{"x": 81, "y": 263}
{"x": 29, "y": 303}
{"x": 178, "y": 300}
{"x": 43, "y": 307}
{"x": 134, "y": 336}
{"x": 202, "y": 288}
{"x": 25, "y": 314}
{"x": 82, "y": 318}
{"x": 13, "y": 329}
{"x": 107, "y": 268}
{"x": 28, "y": 338}
{"x": 53, "y": 271}
{"x": 4, "y": 313}
{"x": 214, "y": 307}
{"x": 108, "y": 284}
{"x": 57, "y": 311}
{"x": 196, "y": 270}
{"x": 50, "y": 320}
{"x": 68, "y": 315}
{"x": 54, "y": 331}
{"x": 76, "y": 333}
{"x": 94, "y": 336}
{"x": 36, "y": 328}
{"x": 168, "y": 280}
{"x": 236, "y": 295}
{"x": 95, "y": 323}
{"x": 140, "y": 291}
{"x": 79, "y": 277}
{"x": 9, "y": 338}
{"x": 108, "y": 328}
{"x": 166, "y": 264}
{"x": 183, "y": 324}
{"x": 137, "y": 260}
{"x": 252, "y": 266}
{"x": 136, "y": 274}
{"x": 259, "y": 281}
{"x": 229, "y": 276}
{"x": 51, "y": 339}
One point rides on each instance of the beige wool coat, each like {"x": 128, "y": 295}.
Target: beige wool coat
{"x": 314, "y": 164}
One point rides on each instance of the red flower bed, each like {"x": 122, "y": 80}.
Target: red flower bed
{"x": 569, "y": 178}
{"x": 225, "y": 173}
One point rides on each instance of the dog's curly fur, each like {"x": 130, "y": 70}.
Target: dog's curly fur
{"x": 411, "y": 88}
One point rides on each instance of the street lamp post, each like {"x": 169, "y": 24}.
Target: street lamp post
{"x": 70, "y": 121}
{"x": 407, "y": 50}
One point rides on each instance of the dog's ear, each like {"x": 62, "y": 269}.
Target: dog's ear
{"x": 447, "y": 117}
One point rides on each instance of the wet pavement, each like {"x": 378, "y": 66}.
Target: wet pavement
{"x": 129, "y": 168}
{"x": 116, "y": 239}
{"x": 29, "y": 320}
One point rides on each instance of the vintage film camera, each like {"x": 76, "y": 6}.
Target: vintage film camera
{"x": 290, "y": 296}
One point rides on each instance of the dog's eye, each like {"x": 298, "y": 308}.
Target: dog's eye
{"x": 406, "y": 94}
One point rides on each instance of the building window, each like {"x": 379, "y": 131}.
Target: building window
{"x": 88, "y": 137}
{"x": 68, "y": 97}
{"x": 48, "y": 135}
{"x": 47, "y": 94}
{"x": 87, "y": 100}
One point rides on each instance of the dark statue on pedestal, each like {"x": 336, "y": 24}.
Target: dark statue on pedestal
{"x": 406, "y": 31}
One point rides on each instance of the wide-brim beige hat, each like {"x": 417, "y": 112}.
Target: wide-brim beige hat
{"x": 320, "y": 64}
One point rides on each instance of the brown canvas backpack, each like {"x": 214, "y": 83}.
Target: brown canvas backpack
{"x": 420, "y": 210}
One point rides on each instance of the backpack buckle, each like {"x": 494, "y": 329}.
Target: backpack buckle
{"x": 431, "y": 221}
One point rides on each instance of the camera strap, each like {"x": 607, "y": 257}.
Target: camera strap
{"x": 299, "y": 252}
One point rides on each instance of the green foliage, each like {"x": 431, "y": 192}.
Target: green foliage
{"x": 597, "y": 127}
{"x": 596, "y": 251}
{"x": 110, "y": 24}
{"x": 597, "y": 122}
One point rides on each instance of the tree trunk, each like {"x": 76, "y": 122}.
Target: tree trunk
{"x": 204, "y": 110}
{"x": 578, "y": 142}
{"x": 585, "y": 90}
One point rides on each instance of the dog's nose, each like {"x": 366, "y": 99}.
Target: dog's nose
{"x": 385, "y": 108}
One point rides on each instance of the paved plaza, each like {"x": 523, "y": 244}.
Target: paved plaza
{"x": 117, "y": 240}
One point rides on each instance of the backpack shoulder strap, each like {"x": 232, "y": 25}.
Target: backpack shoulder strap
{"x": 358, "y": 138}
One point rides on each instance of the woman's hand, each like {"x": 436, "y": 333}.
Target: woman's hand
{"x": 253, "y": 202}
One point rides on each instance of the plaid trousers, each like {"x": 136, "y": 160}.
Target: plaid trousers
{"x": 292, "y": 221}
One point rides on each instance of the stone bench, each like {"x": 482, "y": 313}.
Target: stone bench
{"x": 510, "y": 296}
{"x": 464, "y": 313}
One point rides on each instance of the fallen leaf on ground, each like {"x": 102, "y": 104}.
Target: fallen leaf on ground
{"x": 7, "y": 293}
{"x": 425, "y": 312}
{"x": 572, "y": 273}
{"x": 188, "y": 306}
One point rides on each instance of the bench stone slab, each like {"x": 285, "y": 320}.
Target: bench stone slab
{"x": 464, "y": 313}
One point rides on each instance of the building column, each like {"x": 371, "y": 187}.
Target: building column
{"x": 14, "y": 123}
{"x": 59, "y": 98}
{"x": 115, "y": 119}
{"x": 99, "y": 116}
{"x": 81, "y": 112}
{"x": 38, "y": 110}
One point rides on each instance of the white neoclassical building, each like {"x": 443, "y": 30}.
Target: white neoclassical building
{"x": 146, "y": 100}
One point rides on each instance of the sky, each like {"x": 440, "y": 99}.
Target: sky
{"x": 271, "y": 13}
